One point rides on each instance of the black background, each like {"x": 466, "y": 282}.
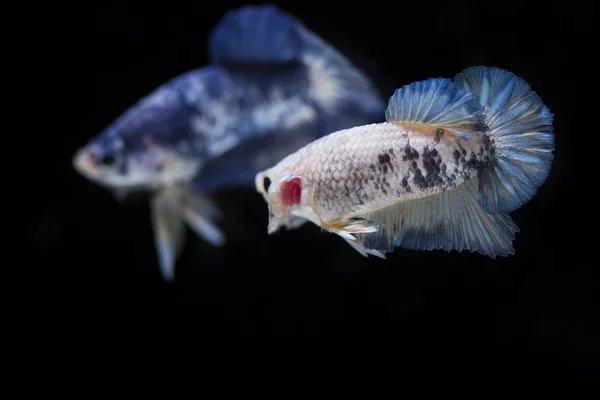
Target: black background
{"x": 97, "y": 255}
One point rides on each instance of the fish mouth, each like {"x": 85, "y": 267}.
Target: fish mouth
{"x": 83, "y": 163}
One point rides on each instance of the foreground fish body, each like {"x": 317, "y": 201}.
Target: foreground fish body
{"x": 453, "y": 158}
{"x": 273, "y": 87}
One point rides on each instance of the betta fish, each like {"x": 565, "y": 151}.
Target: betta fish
{"x": 453, "y": 158}
{"x": 272, "y": 86}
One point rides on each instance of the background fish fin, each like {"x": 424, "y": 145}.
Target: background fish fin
{"x": 199, "y": 212}
{"x": 169, "y": 231}
{"x": 450, "y": 220}
{"x": 521, "y": 132}
{"x": 436, "y": 102}
{"x": 257, "y": 34}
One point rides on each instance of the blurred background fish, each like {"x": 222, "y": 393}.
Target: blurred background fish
{"x": 272, "y": 87}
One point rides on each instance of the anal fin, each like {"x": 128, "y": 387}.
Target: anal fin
{"x": 449, "y": 220}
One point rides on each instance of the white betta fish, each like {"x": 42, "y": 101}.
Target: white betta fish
{"x": 453, "y": 158}
{"x": 273, "y": 87}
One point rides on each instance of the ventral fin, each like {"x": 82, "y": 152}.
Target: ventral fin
{"x": 199, "y": 212}
{"x": 435, "y": 104}
{"x": 360, "y": 247}
{"x": 169, "y": 232}
{"x": 347, "y": 228}
{"x": 171, "y": 209}
{"x": 450, "y": 220}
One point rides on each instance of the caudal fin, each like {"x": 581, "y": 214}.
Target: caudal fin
{"x": 520, "y": 128}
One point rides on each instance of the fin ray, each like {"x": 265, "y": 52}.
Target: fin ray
{"x": 359, "y": 247}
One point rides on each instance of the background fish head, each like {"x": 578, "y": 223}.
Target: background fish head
{"x": 148, "y": 146}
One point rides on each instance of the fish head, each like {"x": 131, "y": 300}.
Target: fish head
{"x": 286, "y": 193}
{"x": 148, "y": 146}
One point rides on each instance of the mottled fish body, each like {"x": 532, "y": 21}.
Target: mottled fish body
{"x": 453, "y": 158}
{"x": 273, "y": 86}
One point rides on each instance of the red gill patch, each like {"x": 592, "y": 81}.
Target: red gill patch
{"x": 291, "y": 191}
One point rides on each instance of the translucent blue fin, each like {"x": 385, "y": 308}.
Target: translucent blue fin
{"x": 520, "y": 127}
{"x": 450, "y": 220}
{"x": 436, "y": 102}
{"x": 255, "y": 34}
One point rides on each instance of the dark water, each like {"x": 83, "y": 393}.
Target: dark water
{"x": 540, "y": 304}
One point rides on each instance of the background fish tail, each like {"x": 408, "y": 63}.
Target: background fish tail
{"x": 520, "y": 129}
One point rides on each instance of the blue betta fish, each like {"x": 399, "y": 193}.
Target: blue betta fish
{"x": 272, "y": 86}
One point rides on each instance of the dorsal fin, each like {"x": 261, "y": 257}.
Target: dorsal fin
{"x": 255, "y": 35}
{"x": 436, "y": 103}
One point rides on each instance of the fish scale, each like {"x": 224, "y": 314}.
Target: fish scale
{"x": 372, "y": 168}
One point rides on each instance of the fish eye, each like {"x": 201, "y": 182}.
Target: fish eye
{"x": 266, "y": 183}
{"x": 107, "y": 159}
